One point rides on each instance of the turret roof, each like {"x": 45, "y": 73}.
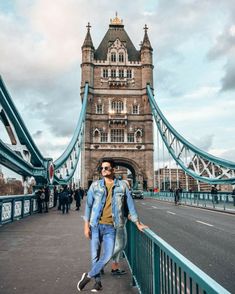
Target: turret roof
{"x": 88, "y": 41}
{"x": 116, "y": 31}
{"x": 146, "y": 43}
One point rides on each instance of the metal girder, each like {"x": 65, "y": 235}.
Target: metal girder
{"x": 19, "y": 135}
{"x": 66, "y": 164}
{"x": 194, "y": 161}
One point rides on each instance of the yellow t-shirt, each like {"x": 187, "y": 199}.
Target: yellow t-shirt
{"x": 106, "y": 216}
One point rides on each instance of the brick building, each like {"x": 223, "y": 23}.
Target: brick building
{"x": 119, "y": 122}
{"x": 166, "y": 178}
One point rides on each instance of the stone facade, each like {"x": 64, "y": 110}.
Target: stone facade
{"x": 119, "y": 122}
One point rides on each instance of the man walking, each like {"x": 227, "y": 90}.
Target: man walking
{"x": 103, "y": 214}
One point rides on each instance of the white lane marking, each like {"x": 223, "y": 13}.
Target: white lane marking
{"x": 209, "y": 225}
{"x": 143, "y": 203}
{"x": 170, "y": 212}
{"x": 154, "y": 207}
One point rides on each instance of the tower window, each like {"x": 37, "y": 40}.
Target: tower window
{"x": 113, "y": 73}
{"x": 105, "y": 73}
{"x": 129, "y": 73}
{"x": 113, "y": 57}
{"x": 117, "y": 106}
{"x": 121, "y": 57}
{"x": 121, "y": 73}
{"x": 117, "y": 135}
{"x": 135, "y": 109}
{"x": 104, "y": 137}
{"x": 130, "y": 138}
{"x": 99, "y": 108}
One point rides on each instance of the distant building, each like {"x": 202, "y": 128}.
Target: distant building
{"x": 11, "y": 180}
{"x": 172, "y": 178}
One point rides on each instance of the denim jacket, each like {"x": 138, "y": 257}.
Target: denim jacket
{"x": 96, "y": 197}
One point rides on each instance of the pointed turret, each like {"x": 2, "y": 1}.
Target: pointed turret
{"x": 88, "y": 58}
{"x": 88, "y": 41}
{"x": 146, "y": 43}
{"x": 146, "y": 52}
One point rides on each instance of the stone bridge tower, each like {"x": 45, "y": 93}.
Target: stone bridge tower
{"x": 119, "y": 122}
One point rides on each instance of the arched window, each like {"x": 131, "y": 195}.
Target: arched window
{"x": 117, "y": 106}
{"x": 113, "y": 56}
{"x": 96, "y": 135}
{"x": 138, "y": 136}
{"x": 121, "y": 57}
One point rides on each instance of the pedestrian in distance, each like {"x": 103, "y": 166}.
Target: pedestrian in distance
{"x": 64, "y": 197}
{"x": 55, "y": 196}
{"x": 77, "y": 197}
{"x": 47, "y": 197}
{"x": 104, "y": 214}
{"x": 40, "y": 199}
{"x": 214, "y": 195}
{"x": 233, "y": 195}
{"x": 177, "y": 196}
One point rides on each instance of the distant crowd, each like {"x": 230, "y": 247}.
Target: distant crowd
{"x": 63, "y": 198}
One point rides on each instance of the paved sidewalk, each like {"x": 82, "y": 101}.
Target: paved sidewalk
{"x": 47, "y": 254}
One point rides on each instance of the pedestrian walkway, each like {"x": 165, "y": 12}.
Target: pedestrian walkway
{"x": 47, "y": 254}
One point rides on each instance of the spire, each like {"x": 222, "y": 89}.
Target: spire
{"x": 116, "y": 21}
{"x": 146, "y": 43}
{"x": 88, "y": 40}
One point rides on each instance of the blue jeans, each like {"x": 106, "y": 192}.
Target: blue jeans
{"x": 101, "y": 234}
{"x": 120, "y": 243}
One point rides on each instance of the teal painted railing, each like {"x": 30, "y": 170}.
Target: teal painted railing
{"x": 220, "y": 201}
{"x": 15, "y": 207}
{"x": 157, "y": 268}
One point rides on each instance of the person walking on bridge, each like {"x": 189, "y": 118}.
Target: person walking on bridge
{"x": 104, "y": 213}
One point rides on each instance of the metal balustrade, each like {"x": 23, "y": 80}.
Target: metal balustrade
{"x": 18, "y": 206}
{"x": 157, "y": 268}
{"x": 221, "y": 201}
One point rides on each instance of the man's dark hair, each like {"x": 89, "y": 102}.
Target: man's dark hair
{"x": 109, "y": 160}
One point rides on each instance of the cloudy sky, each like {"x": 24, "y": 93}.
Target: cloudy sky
{"x": 194, "y": 58}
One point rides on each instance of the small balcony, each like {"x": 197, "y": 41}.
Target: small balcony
{"x": 118, "y": 119}
{"x": 117, "y": 82}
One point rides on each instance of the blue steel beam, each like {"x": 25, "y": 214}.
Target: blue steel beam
{"x": 14, "y": 162}
{"x": 70, "y": 156}
{"x": 218, "y": 170}
{"x": 21, "y": 130}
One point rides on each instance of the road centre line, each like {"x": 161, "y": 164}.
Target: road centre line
{"x": 170, "y": 212}
{"x": 209, "y": 225}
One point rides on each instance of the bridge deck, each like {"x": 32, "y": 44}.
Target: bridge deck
{"x": 47, "y": 254}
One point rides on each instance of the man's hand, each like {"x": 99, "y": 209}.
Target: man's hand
{"x": 141, "y": 226}
{"x": 87, "y": 231}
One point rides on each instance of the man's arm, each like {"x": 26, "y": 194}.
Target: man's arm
{"x": 89, "y": 203}
{"x": 132, "y": 211}
{"x": 141, "y": 226}
{"x": 87, "y": 230}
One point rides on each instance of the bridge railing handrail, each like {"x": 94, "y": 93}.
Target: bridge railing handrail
{"x": 15, "y": 207}
{"x": 158, "y": 268}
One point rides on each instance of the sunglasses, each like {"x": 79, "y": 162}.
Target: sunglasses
{"x": 105, "y": 168}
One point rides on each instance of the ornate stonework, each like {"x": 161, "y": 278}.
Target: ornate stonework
{"x": 119, "y": 122}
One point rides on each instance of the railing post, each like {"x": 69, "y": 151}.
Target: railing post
{"x": 0, "y": 212}
{"x": 156, "y": 268}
